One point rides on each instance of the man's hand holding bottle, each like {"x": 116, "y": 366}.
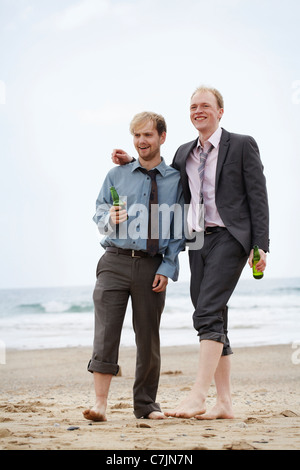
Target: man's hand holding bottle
{"x": 118, "y": 214}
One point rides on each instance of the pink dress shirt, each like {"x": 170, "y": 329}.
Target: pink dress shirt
{"x": 212, "y": 216}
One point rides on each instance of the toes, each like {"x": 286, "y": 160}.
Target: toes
{"x": 94, "y": 416}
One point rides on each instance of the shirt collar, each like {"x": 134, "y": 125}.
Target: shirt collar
{"x": 162, "y": 167}
{"x": 214, "y": 139}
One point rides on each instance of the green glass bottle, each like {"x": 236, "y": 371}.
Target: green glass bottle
{"x": 256, "y": 258}
{"x": 116, "y": 199}
{"x": 115, "y": 196}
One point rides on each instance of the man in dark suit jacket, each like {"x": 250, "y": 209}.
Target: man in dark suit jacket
{"x": 234, "y": 195}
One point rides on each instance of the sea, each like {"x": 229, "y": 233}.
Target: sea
{"x": 261, "y": 312}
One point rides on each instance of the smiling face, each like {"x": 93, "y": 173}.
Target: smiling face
{"x": 205, "y": 113}
{"x": 147, "y": 142}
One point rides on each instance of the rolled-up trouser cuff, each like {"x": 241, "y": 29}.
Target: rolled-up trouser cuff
{"x": 144, "y": 411}
{"x": 102, "y": 367}
{"x": 219, "y": 338}
{"x": 227, "y": 351}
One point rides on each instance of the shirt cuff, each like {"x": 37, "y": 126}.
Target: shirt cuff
{"x": 168, "y": 270}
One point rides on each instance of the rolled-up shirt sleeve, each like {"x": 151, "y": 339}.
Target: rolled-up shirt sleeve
{"x": 103, "y": 205}
{"x": 170, "y": 263}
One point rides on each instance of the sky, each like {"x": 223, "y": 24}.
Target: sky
{"x": 72, "y": 75}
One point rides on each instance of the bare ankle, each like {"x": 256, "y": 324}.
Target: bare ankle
{"x": 197, "y": 392}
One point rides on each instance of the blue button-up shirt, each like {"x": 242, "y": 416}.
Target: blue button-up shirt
{"x": 135, "y": 187}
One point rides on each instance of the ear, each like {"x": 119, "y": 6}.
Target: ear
{"x": 221, "y": 112}
{"x": 163, "y": 138}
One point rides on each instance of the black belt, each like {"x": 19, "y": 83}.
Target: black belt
{"x": 132, "y": 253}
{"x": 210, "y": 230}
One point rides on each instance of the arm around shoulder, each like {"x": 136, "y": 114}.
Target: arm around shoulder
{"x": 120, "y": 157}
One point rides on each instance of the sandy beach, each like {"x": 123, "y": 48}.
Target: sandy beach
{"x": 44, "y": 392}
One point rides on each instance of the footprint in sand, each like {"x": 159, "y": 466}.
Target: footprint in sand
{"x": 239, "y": 445}
{"x": 121, "y": 405}
{"x": 289, "y": 414}
{"x": 5, "y": 433}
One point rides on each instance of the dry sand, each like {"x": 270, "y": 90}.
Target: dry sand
{"x": 43, "y": 394}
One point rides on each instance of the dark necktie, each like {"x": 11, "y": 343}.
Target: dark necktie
{"x": 153, "y": 235}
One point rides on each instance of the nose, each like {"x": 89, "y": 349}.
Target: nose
{"x": 142, "y": 140}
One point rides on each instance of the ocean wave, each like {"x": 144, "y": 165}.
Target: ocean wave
{"x": 287, "y": 290}
{"x": 244, "y": 327}
{"x": 265, "y": 312}
{"x": 36, "y": 308}
{"x": 55, "y": 307}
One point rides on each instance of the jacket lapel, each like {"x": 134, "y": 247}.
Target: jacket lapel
{"x": 223, "y": 149}
{"x": 187, "y": 151}
{"x": 182, "y": 164}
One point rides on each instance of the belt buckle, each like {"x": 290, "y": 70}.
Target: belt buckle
{"x": 133, "y": 255}
{"x": 207, "y": 232}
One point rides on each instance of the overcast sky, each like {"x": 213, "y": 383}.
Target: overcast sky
{"x": 73, "y": 74}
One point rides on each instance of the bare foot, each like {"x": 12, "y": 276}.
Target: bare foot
{"x": 95, "y": 415}
{"x": 188, "y": 408}
{"x": 219, "y": 411}
{"x": 156, "y": 415}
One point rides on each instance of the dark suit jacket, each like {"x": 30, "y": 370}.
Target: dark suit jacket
{"x": 240, "y": 192}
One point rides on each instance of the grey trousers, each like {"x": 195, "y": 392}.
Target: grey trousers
{"x": 215, "y": 271}
{"x": 118, "y": 278}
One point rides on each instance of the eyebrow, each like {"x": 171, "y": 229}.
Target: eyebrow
{"x": 196, "y": 104}
{"x": 147, "y": 132}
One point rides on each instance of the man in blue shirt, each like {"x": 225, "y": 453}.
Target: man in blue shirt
{"x": 142, "y": 241}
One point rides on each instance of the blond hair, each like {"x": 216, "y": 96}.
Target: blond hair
{"x": 214, "y": 91}
{"x": 158, "y": 121}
